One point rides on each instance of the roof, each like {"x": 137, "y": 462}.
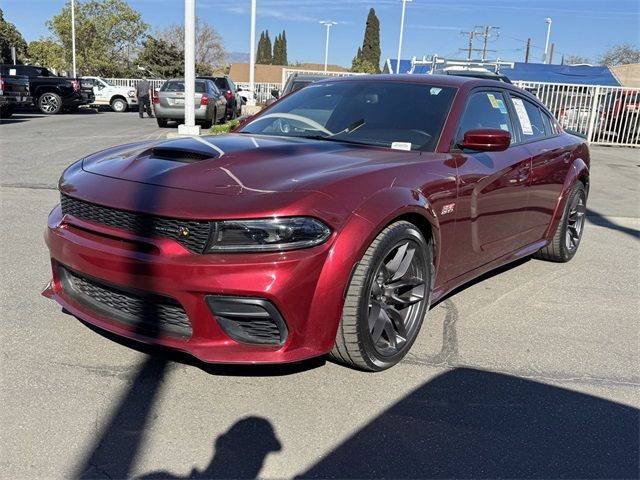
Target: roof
{"x": 534, "y": 72}
{"x": 627, "y": 75}
{"x": 239, "y": 72}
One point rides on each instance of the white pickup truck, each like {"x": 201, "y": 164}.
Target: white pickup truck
{"x": 120, "y": 99}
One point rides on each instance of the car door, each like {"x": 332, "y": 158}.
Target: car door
{"x": 492, "y": 191}
{"x": 550, "y": 161}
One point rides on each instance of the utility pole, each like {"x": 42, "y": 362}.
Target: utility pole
{"x": 553, "y": 47}
{"x": 528, "y": 51}
{"x": 486, "y": 34}
{"x": 469, "y": 48}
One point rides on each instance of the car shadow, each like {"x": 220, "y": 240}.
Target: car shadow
{"x": 18, "y": 118}
{"x": 470, "y": 423}
{"x": 465, "y": 423}
{"x": 602, "y": 221}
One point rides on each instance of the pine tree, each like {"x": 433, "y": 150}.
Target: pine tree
{"x": 277, "y": 51}
{"x": 369, "y": 54}
{"x": 263, "y": 53}
{"x": 283, "y": 47}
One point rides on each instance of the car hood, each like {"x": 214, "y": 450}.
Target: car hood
{"x": 241, "y": 164}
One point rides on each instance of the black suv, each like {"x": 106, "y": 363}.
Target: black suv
{"x": 52, "y": 94}
{"x": 230, "y": 92}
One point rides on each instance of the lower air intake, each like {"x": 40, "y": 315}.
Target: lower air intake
{"x": 249, "y": 320}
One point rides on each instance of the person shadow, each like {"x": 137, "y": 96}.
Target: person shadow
{"x": 238, "y": 453}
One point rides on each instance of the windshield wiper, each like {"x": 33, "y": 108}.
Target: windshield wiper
{"x": 327, "y": 138}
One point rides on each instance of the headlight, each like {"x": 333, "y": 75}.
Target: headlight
{"x": 268, "y": 235}
{"x": 132, "y": 93}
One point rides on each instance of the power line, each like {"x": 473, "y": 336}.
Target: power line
{"x": 483, "y": 32}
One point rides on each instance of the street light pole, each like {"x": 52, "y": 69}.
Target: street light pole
{"x": 546, "y": 44}
{"x": 252, "y": 55}
{"x": 189, "y": 127}
{"x": 327, "y": 24}
{"x": 73, "y": 37}
{"x": 404, "y": 6}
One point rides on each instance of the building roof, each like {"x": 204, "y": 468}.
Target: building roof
{"x": 239, "y": 72}
{"x": 628, "y": 75}
{"x": 533, "y": 72}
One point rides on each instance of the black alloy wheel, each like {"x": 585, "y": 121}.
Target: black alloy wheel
{"x": 386, "y": 300}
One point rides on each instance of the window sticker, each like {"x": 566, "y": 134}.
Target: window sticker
{"x": 435, "y": 90}
{"x": 12, "y": 71}
{"x": 504, "y": 126}
{"x": 523, "y": 116}
{"x": 492, "y": 100}
{"x": 501, "y": 106}
{"x": 401, "y": 146}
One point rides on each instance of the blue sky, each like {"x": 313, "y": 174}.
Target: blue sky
{"x": 580, "y": 27}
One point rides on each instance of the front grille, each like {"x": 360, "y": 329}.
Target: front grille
{"x": 249, "y": 320}
{"x": 150, "y": 313}
{"x": 191, "y": 234}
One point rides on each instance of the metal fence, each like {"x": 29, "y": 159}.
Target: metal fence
{"x": 132, "y": 82}
{"x": 604, "y": 115}
{"x": 262, "y": 90}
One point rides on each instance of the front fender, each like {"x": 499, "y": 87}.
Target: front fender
{"x": 361, "y": 228}
{"x": 577, "y": 170}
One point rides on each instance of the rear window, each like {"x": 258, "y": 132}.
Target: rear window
{"x": 178, "y": 86}
{"x": 221, "y": 83}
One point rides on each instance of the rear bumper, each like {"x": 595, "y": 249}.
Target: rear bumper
{"x": 162, "y": 267}
{"x": 15, "y": 100}
{"x": 78, "y": 99}
{"x": 177, "y": 113}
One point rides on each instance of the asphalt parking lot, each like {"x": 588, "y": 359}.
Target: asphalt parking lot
{"x": 532, "y": 371}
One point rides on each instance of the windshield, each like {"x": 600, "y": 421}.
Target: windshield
{"x": 394, "y": 114}
{"x": 106, "y": 82}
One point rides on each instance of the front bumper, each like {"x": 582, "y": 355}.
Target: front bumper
{"x": 161, "y": 266}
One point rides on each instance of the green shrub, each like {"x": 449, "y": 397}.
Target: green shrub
{"x": 224, "y": 128}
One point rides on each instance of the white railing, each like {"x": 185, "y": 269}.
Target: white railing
{"x": 132, "y": 82}
{"x": 262, "y": 90}
{"x": 604, "y": 115}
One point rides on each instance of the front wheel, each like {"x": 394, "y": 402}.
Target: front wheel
{"x": 566, "y": 239}
{"x": 119, "y": 105}
{"x": 50, "y": 103}
{"x": 162, "y": 123}
{"x": 386, "y": 301}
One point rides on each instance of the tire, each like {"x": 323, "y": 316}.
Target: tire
{"x": 6, "y": 112}
{"x": 50, "y": 103}
{"x": 566, "y": 239}
{"x": 162, "y": 122}
{"x": 206, "y": 124}
{"x": 119, "y": 105}
{"x": 398, "y": 256}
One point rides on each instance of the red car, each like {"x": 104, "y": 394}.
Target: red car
{"x": 327, "y": 223}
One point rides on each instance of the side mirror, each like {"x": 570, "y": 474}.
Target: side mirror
{"x": 486, "y": 140}
{"x": 275, "y": 93}
{"x": 238, "y": 89}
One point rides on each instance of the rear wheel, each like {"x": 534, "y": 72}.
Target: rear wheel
{"x": 162, "y": 123}
{"x": 386, "y": 300}
{"x": 119, "y": 105}
{"x": 567, "y": 238}
{"x": 50, "y": 103}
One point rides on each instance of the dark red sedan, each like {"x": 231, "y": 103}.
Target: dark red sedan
{"x": 328, "y": 223}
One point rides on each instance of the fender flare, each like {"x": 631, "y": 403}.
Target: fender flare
{"x": 364, "y": 224}
{"x": 577, "y": 171}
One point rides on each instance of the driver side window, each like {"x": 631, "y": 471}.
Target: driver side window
{"x": 485, "y": 110}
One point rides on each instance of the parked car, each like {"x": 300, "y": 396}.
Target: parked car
{"x": 619, "y": 114}
{"x": 231, "y": 94}
{"x": 295, "y": 82}
{"x": 14, "y": 92}
{"x": 50, "y": 93}
{"x": 327, "y": 224}
{"x": 119, "y": 98}
{"x": 210, "y": 103}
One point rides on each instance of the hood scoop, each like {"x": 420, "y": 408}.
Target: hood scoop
{"x": 181, "y": 154}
